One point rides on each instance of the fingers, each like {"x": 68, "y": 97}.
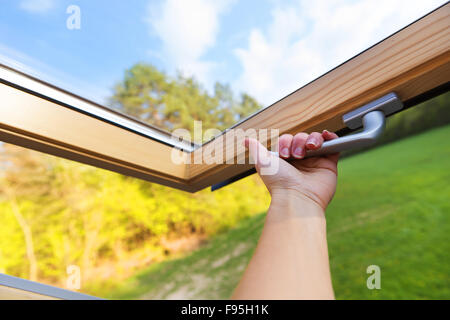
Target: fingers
{"x": 327, "y": 135}
{"x": 298, "y": 148}
{"x": 289, "y": 146}
{"x": 314, "y": 141}
{"x": 284, "y": 145}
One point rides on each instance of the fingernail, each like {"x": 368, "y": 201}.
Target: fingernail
{"x": 285, "y": 152}
{"x": 312, "y": 142}
{"x": 298, "y": 152}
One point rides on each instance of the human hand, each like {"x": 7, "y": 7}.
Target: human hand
{"x": 313, "y": 179}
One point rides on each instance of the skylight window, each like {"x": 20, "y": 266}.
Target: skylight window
{"x": 101, "y": 93}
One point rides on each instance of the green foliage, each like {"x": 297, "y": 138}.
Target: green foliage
{"x": 391, "y": 209}
{"x": 82, "y": 215}
{"x": 167, "y": 103}
{"x": 55, "y": 213}
{"x": 430, "y": 114}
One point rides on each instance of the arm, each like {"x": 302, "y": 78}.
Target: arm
{"x": 291, "y": 258}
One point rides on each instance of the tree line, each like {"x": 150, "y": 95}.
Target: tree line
{"x": 56, "y": 213}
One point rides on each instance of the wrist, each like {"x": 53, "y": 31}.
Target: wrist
{"x": 294, "y": 197}
{"x": 293, "y": 204}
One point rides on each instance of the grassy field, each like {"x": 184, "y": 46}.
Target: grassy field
{"x": 391, "y": 209}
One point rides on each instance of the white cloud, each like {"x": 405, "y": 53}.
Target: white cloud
{"x": 37, "y": 6}
{"x": 187, "y": 30}
{"x": 306, "y": 40}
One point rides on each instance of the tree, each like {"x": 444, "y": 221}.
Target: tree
{"x": 171, "y": 103}
{"x": 26, "y": 179}
{"x": 57, "y": 213}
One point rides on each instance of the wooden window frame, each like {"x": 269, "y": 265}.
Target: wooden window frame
{"x": 414, "y": 63}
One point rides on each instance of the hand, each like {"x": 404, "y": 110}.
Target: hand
{"x": 312, "y": 178}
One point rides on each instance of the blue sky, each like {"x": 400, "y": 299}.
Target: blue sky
{"x": 267, "y": 48}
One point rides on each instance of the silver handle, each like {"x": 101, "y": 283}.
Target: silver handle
{"x": 371, "y": 116}
{"x": 373, "y": 124}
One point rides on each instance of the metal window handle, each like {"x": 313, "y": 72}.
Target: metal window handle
{"x": 373, "y": 123}
{"x": 371, "y": 116}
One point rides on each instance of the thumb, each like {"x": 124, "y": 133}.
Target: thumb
{"x": 258, "y": 153}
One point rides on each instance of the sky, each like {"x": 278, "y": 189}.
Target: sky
{"x": 267, "y": 48}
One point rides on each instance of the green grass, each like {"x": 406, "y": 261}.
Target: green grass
{"x": 391, "y": 209}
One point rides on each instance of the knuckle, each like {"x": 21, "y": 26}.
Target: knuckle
{"x": 286, "y": 136}
{"x": 301, "y": 136}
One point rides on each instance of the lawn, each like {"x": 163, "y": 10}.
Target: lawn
{"x": 391, "y": 209}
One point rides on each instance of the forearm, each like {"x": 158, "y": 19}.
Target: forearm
{"x": 291, "y": 258}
